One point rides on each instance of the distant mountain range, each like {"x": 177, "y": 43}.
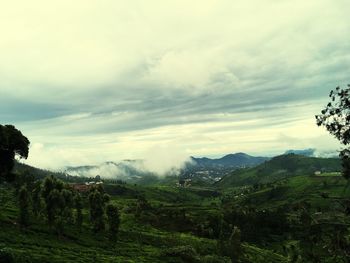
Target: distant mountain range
{"x": 238, "y": 160}
{"x": 203, "y": 167}
{"x": 135, "y": 170}
{"x": 235, "y": 160}
{"x": 208, "y": 170}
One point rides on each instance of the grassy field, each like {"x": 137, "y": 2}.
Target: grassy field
{"x": 319, "y": 191}
{"x": 280, "y": 211}
{"x": 139, "y": 240}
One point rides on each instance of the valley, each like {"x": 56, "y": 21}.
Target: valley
{"x": 279, "y": 206}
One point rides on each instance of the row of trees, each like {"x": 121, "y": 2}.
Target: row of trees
{"x": 56, "y": 202}
{"x": 51, "y": 198}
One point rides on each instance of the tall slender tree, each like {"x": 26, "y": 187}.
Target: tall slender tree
{"x": 78, "y": 207}
{"x": 24, "y": 205}
{"x": 67, "y": 205}
{"x": 36, "y": 199}
{"x": 96, "y": 202}
{"x": 235, "y": 244}
{"x": 113, "y": 217}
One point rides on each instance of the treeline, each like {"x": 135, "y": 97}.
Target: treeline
{"x": 59, "y": 205}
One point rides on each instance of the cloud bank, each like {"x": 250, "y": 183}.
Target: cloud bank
{"x": 92, "y": 81}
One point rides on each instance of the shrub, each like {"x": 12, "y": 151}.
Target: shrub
{"x": 9, "y": 256}
{"x": 6, "y": 256}
{"x": 186, "y": 253}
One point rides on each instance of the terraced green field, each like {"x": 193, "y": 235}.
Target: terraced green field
{"x": 283, "y": 214}
{"x": 139, "y": 240}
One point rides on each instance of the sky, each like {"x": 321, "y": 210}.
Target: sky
{"x": 89, "y": 81}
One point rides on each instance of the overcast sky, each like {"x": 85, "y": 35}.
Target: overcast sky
{"x": 89, "y": 81}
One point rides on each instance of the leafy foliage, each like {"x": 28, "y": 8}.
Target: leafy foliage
{"x": 280, "y": 213}
{"x": 12, "y": 143}
{"x": 59, "y": 203}
{"x": 336, "y": 118}
{"x": 24, "y": 205}
{"x": 113, "y": 217}
{"x": 97, "y": 206}
{"x": 79, "y": 207}
{"x": 280, "y": 167}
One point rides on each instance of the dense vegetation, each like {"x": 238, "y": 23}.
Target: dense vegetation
{"x": 281, "y": 167}
{"x": 291, "y": 208}
{"x": 278, "y": 222}
{"x": 12, "y": 143}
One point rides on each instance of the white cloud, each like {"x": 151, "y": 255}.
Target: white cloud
{"x": 89, "y": 81}
{"x": 164, "y": 158}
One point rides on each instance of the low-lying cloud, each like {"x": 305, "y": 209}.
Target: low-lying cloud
{"x": 160, "y": 161}
{"x": 164, "y": 159}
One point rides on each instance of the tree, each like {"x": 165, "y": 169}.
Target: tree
{"x": 24, "y": 178}
{"x": 36, "y": 196}
{"x": 58, "y": 203}
{"x": 53, "y": 203}
{"x": 53, "y": 200}
{"x": 24, "y": 203}
{"x": 336, "y": 118}
{"x": 235, "y": 244}
{"x": 106, "y": 198}
{"x": 142, "y": 206}
{"x": 96, "y": 202}
{"x": 113, "y": 221}
{"x": 67, "y": 205}
{"x": 12, "y": 143}
{"x": 78, "y": 207}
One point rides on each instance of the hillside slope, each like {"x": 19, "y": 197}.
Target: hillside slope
{"x": 21, "y": 168}
{"x": 280, "y": 167}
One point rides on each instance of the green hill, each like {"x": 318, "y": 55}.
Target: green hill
{"x": 280, "y": 167}
{"x": 144, "y": 239}
{"x": 277, "y": 206}
{"x": 21, "y": 168}
{"x": 319, "y": 191}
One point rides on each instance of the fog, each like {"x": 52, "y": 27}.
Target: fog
{"x": 159, "y": 161}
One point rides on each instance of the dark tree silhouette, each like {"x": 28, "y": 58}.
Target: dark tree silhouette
{"x": 59, "y": 203}
{"x": 235, "y": 244}
{"x": 97, "y": 210}
{"x": 36, "y": 196}
{"x": 53, "y": 204}
{"x": 24, "y": 204}
{"x": 12, "y": 143}
{"x": 336, "y": 118}
{"x": 113, "y": 221}
{"x": 78, "y": 207}
{"x": 67, "y": 205}
{"x": 51, "y": 193}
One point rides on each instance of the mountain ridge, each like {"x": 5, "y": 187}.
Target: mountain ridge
{"x": 239, "y": 159}
{"x": 280, "y": 167}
